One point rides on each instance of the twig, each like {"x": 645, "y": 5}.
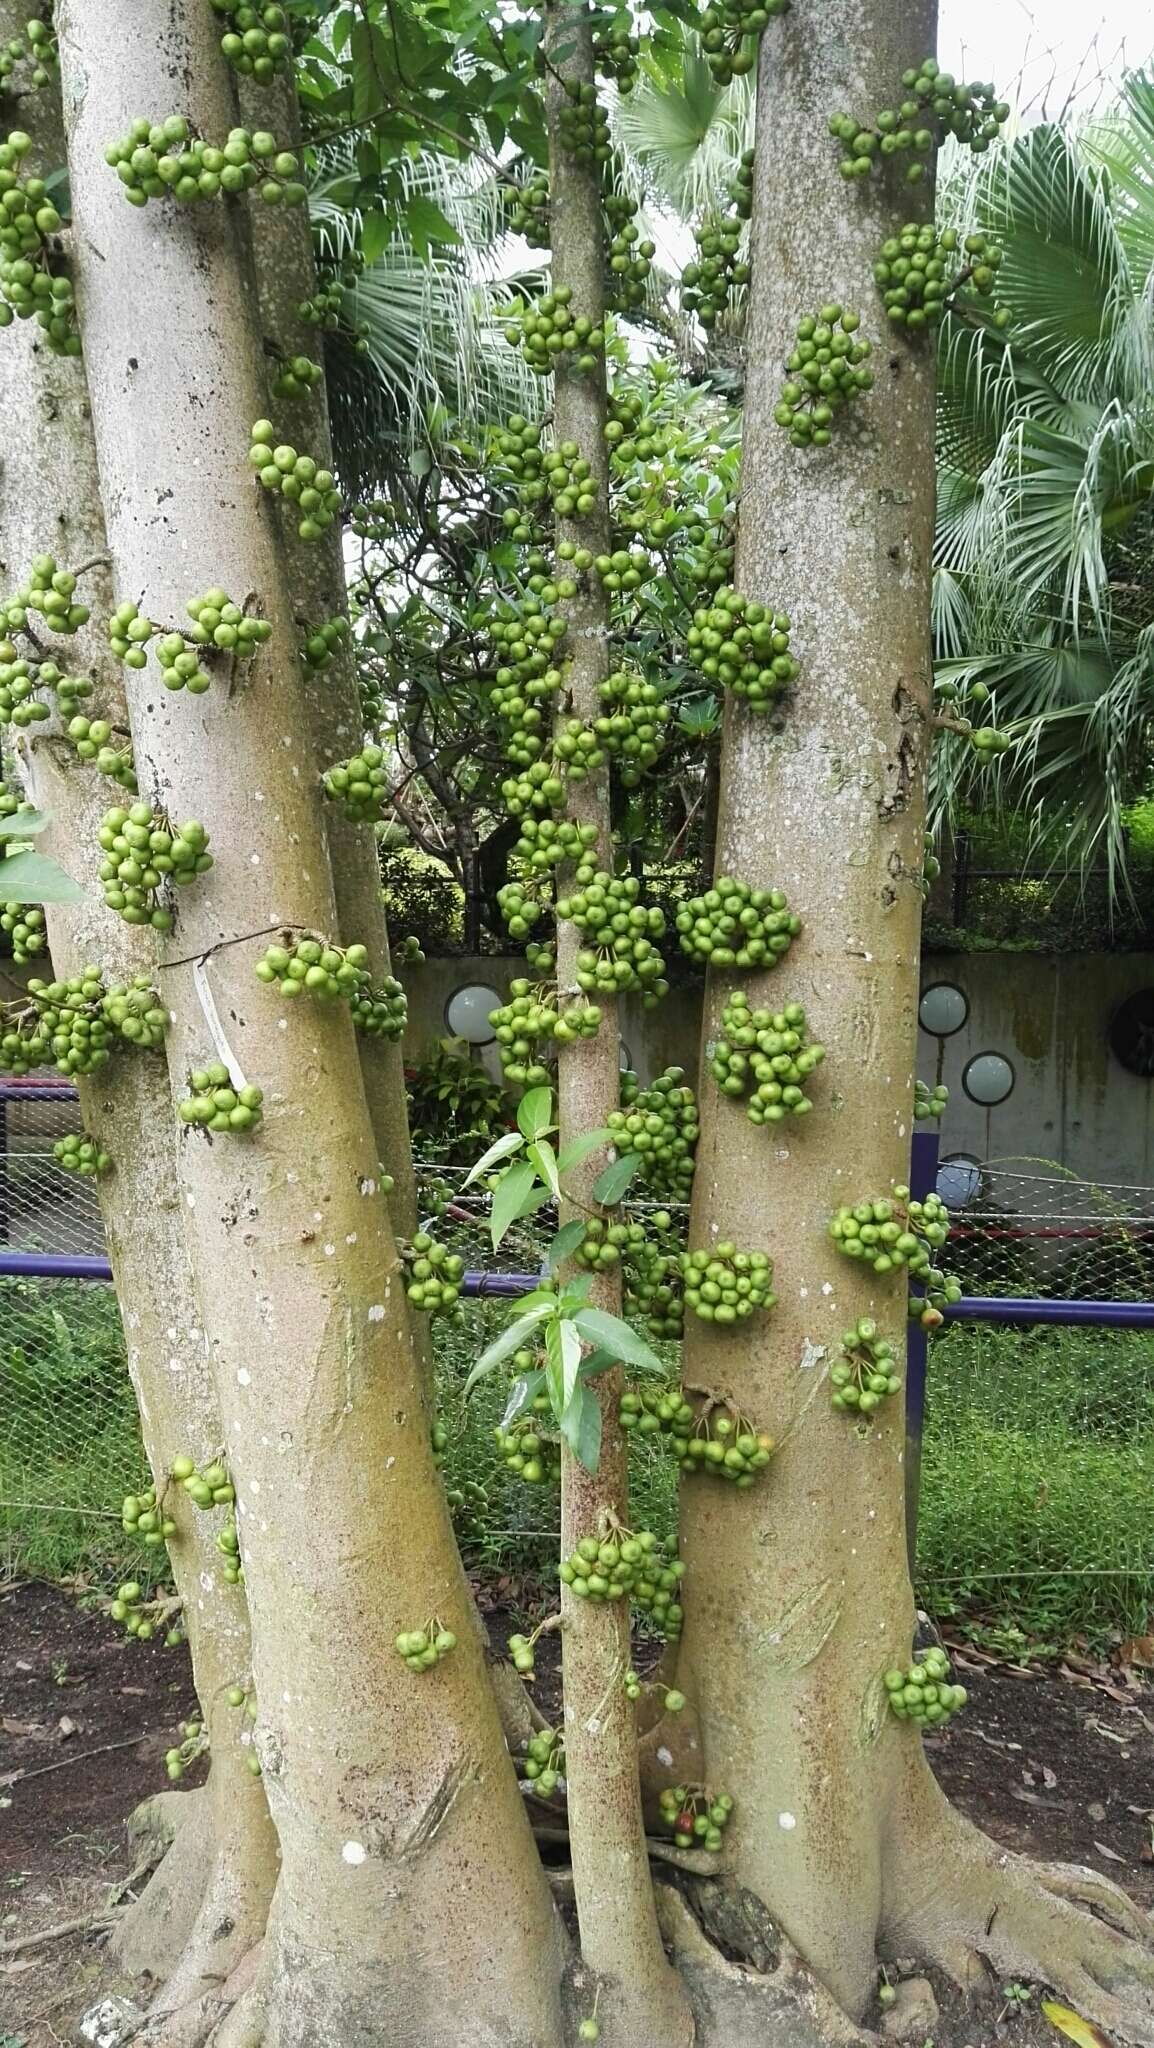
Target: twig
{"x": 698, "y": 1861}
{"x": 81, "y": 1757}
{"x": 88, "y": 1923}
{"x": 241, "y": 939}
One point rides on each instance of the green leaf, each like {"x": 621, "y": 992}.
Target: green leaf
{"x": 377, "y": 231}
{"x": 566, "y": 1242}
{"x": 598, "y": 1327}
{"x": 542, "y": 1156}
{"x": 580, "y": 1425}
{"x": 597, "y": 1362}
{"x": 524, "y": 1390}
{"x": 519, "y": 1332}
{"x": 24, "y": 824}
{"x": 29, "y": 878}
{"x": 610, "y": 1185}
{"x": 511, "y": 1142}
{"x": 535, "y": 1112}
{"x": 427, "y": 224}
{"x": 580, "y": 1148}
{"x": 509, "y": 1199}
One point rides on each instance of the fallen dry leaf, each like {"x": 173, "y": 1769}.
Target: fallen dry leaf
{"x": 36, "y": 1730}
{"x": 1137, "y": 1650}
{"x": 1074, "y": 2026}
{"x": 66, "y": 1725}
{"x": 1111, "y": 1854}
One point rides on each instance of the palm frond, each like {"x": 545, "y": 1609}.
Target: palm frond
{"x": 1064, "y": 275}
{"x": 1123, "y": 141}
{"x": 682, "y": 134}
{"x": 432, "y": 346}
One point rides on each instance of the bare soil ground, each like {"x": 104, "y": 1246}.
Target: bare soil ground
{"x": 1059, "y": 1766}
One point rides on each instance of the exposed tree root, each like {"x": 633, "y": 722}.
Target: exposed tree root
{"x": 960, "y": 1901}
{"x": 738, "y": 2007}
{"x": 229, "y": 1924}
{"x": 152, "y": 1936}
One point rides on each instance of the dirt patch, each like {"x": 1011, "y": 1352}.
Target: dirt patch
{"x": 1048, "y": 1767}
{"x": 71, "y": 1683}
{"x": 1056, "y": 1770}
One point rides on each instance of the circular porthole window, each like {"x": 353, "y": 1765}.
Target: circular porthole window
{"x": 959, "y": 1180}
{"x": 988, "y": 1079}
{"x": 467, "y": 1013}
{"x": 1131, "y": 1034}
{"x": 943, "y": 1009}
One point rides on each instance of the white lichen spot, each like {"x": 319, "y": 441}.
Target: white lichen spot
{"x": 243, "y": 1377}
{"x": 287, "y": 1698}
{"x": 171, "y": 1333}
{"x": 827, "y": 1287}
{"x": 803, "y": 1293}
{"x": 665, "y": 1758}
{"x": 350, "y": 1237}
{"x": 254, "y": 1485}
{"x": 593, "y": 1725}
{"x": 368, "y": 1187}
{"x": 330, "y": 1250}
{"x": 258, "y": 796}
{"x": 282, "y": 1023}
{"x": 787, "y": 1821}
{"x": 254, "y": 860}
{"x": 207, "y": 1582}
{"x": 377, "y": 1312}
{"x": 811, "y": 1355}
{"x": 190, "y": 1198}
{"x": 134, "y": 1324}
{"x": 389, "y": 1463}
{"x": 354, "y": 1852}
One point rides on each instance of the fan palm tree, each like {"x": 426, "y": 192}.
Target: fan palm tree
{"x": 1044, "y": 584}
{"x": 420, "y": 345}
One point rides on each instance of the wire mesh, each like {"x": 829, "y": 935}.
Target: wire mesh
{"x": 1027, "y": 1228}
{"x": 69, "y": 1439}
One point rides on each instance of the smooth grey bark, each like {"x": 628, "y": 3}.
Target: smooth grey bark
{"x": 394, "y": 1801}
{"x": 786, "y": 1658}
{"x": 50, "y": 503}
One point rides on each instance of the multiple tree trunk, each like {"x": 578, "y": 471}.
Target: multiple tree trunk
{"x": 384, "y": 1855}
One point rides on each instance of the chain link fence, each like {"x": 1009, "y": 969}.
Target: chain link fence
{"x": 1031, "y": 1435}
{"x": 1024, "y": 1227}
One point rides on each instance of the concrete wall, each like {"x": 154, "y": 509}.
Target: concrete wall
{"x": 653, "y": 1039}
{"x": 1048, "y": 1014}
{"x": 1072, "y": 1102}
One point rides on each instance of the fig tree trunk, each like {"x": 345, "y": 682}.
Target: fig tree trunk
{"x": 211, "y": 1904}
{"x": 394, "y": 1800}
{"x": 798, "y": 1595}
{"x": 620, "y": 1943}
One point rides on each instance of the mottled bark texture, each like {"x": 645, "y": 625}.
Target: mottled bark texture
{"x": 50, "y": 503}
{"x": 410, "y": 1899}
{"x": 798, "y": 1597}
{"x": 640, "y": 1999}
